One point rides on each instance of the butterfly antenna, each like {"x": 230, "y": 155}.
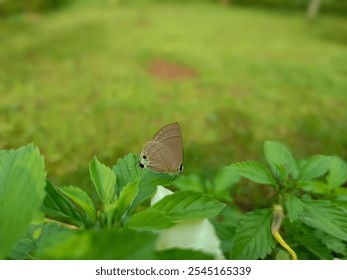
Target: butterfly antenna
{"x": 137, "y": 162}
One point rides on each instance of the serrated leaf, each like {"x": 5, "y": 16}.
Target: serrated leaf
{"x": 32, "y": 240}
{"x": 306, "y": 238}
{"x": 80, "y": 198}
{"x": 104, "y": 180}
{"x": 188, "y": 205}
{"x": 127, "y": 196}
{"x": 150, "y": 219}
{"x": 22, "y": 191}
{"x": 278, "y": 155}
{"x": 254, "y": 171}
{"x": 253, "y": 238}
{"x": 127, "y": 170}
{"x": 337, "y": 172}
{"x": 334, "y": 244}
{"x": 294, "y": 207}
{"x": 315, "y": 187}
{"x": 313, "y": 167}
{"x": 325, "y": 216}
{"x": 59, "y": 207}
{"x": 24, "y": 249}
{"x": 106, "y": 244}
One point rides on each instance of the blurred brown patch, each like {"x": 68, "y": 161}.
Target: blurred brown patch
{"x": 169, "y": 71}
{"x": 240, "y": 91}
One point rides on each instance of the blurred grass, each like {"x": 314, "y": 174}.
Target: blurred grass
{"x": 76, "y": 83}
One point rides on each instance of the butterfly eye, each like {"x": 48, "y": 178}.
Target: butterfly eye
{"x": 144, "y": 157}
{"x": 141, "y": 165}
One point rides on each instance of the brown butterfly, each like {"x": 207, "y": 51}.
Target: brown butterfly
{"x": 164, "y": 153}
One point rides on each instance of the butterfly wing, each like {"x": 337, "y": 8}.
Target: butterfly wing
{"x": 158, "y": 158}
{"x": 171, "y": 137}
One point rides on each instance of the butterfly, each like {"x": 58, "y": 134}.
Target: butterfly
{"x": 164, "y": 153}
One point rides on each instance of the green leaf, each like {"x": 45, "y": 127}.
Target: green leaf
{"x": 337, "y": 172}
{"x": 316, "y": 187}
{"x": 278, "y": 155}
{"x": 182, "y": 254}
{"x": 224, "y": 181}
{"x": 225, "y": 225}
{"x": 313, "y": 167}
{"x": 334, "y": 244}
{"x": 32, "y": 240}
{"x": 294, "y": 207}
{"x": 190, "y": 182}
{"x": 109, "y": 244}
{"x": 82, "y": 199}
{"x": 127, "y": 196}
{"x": 253, "y": 238}
{"x": 254, "y": 171}
{"x": 283, "y": 255}
{"x": 306, "y": 238}
{"x": 225, "y": 233}
{"x": 22, "y": 191}
{"x": 188, "y": 205}
{"x": 341, "y": 196}
{"x": 150, "y": 219}
{"x": 49, "y": 230}
{"x": 127, "y": 170}
{"x": 59, "y": 207}
{"x": 219, "y": 187}
{"x": 325, "y": 216}
{"x": 104, "y": 180}
{"x": 27, "y": 245}
{"x": 24, "y": 249}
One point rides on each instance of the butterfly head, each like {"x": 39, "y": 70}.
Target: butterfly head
{"x": 144, "y": 161}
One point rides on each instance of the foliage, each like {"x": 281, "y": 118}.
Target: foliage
{"x": 121, "y": 214}
{"x": 308, "y": 191}
{"x": 60, "y": 72}
{"x": 22, "y": 182}
{"x": 302, "y": 189}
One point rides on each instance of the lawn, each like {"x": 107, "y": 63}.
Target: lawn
{"x": 101, "y": 79}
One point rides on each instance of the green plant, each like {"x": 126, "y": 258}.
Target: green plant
{"x": 132, "y": 216}
{"x": 310, "y": 199}
{"x": 122, "y": 226}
